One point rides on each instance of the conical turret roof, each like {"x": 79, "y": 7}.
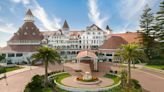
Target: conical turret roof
{"x": 29, "y": 12}
{"x": 107, "y": 27}
{"x": 65, "y": 25}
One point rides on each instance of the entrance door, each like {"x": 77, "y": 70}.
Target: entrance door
{"x": 90, "y": 62}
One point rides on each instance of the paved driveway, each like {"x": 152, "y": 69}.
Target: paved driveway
{"x": 152, "y": 81}
{"x": 17, "y": 82}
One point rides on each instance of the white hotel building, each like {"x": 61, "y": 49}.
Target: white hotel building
{"x": 68, "y": 42}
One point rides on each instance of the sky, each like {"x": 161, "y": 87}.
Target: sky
{"x": 120, "y": 15}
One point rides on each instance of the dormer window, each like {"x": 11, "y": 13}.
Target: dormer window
{"x": 25, "y": 33}
{"x": 33, "y": 33}
{"x": 17, "y": 33}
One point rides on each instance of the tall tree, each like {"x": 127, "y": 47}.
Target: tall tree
{"x": 129, "y": 53}
{"x": 160, "y": 22}
{"x": 46, "y": 55}
{"x": 147, "y": 32}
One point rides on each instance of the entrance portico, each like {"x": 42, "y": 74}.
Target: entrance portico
{"x": 88, "y": 55}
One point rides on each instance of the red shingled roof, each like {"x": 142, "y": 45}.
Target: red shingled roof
{"x": 113, "y": 42}
{"x": 130, "y": 37}
{"x": 31, "y": 31}
{"x": 20, "y": 48}
{"x": 86, "y": 54}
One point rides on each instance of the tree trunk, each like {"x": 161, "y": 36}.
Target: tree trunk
{"x": 46, "y": 74}
{"x": 129, "y": 74}
{"x": 133, "y": 64}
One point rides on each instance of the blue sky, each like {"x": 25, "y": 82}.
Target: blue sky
{"x": 120, "y": 15}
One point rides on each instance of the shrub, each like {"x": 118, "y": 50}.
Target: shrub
{"x": 35, "y": 84}
{"x": 157, "y": 61}
{"x": 135, "y": 84}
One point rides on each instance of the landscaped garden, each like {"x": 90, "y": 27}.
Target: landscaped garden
{"x": 54, "y": 81}
{"x": 8, "y": 69}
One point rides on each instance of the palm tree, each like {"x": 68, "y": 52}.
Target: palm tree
{"x": 46, "y": 55}
{"x": 129, "y": 53}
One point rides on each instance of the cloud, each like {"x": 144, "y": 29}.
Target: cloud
{"x": 130, "y": 11}
{"x": 40, "y": 13}
{"x": 95, "y": 15}
{"x": 7, "y": 27}
{"x": 21, "y": 1}
{"x": 50, "y": 24}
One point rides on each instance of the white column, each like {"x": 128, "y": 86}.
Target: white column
{"x": 78, "y": 64}
{"x": 95, "y": 64}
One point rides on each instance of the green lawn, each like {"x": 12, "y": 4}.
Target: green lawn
{"x": 59, "y": 77}
{"x": 161, "y": 67}
{"x": 13, "y": 68}
{"x": 8, "y": 69}
{"x": 113, "y": 77}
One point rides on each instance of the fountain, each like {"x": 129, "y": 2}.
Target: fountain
{"x": 87, "y": 78}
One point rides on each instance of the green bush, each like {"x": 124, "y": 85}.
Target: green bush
{"x": 35, "y": 85}
{"x": 135, "y": 84}
{"x": 157, "y": 61}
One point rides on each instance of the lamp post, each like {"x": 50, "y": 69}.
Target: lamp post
{"x": 63, "y": 65}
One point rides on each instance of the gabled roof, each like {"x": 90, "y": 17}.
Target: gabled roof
{"x": 65, "y": 25}
{"x": 114, "y": 42}
{"x": 95, "y": 26}
{"x": 29, "y": 12}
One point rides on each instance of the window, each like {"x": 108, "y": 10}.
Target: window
{"x": 26, "y": 27}
{"x": 19, "y": 55}
{"x": 17, "y": 33}
{"x": 11, "y": 55}
{"x": 108, "y": 54}
{"x": 33, "y": 33}
{"x": 3, "y": 54}
{"x": 25, "y": 33}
